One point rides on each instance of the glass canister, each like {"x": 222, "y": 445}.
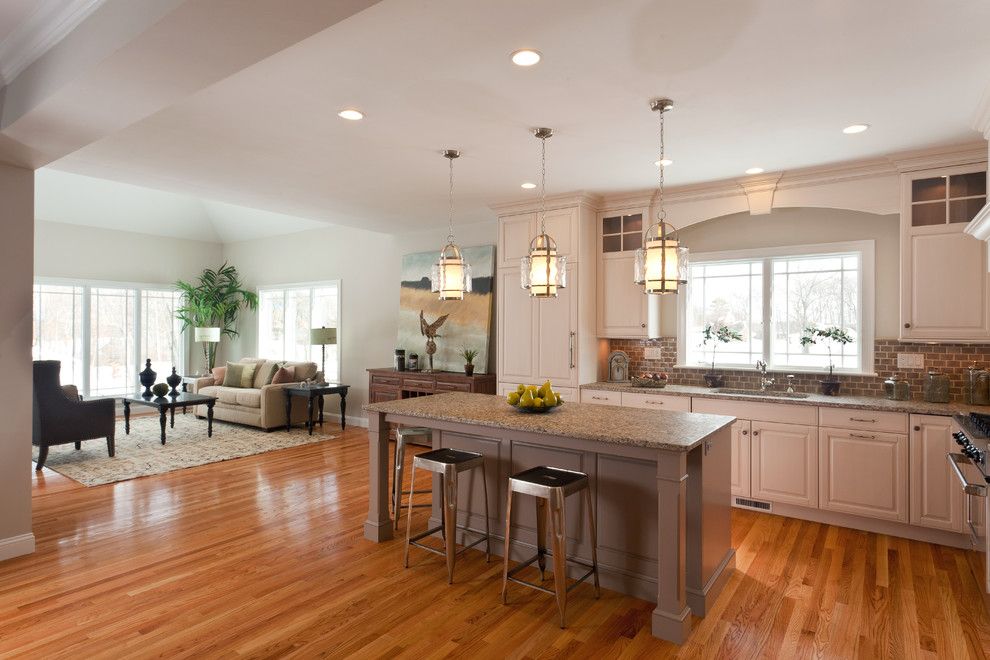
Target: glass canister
{"x": 896, "y": 388}
{"x": 976, "y": 388}
{"x": 400, "y": 359}
{"x": 413, "y": 363}
{"x": 936, "y": 388}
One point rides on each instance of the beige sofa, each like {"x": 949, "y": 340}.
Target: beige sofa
{"x": 262, "y": 406}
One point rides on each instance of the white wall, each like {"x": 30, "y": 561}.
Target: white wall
{"x": 92, "y": 253}
{"x": 17, "y": 220}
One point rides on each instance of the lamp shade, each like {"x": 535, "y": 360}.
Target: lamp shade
{"x": 207, "y": 334}
{"x": 323, "y": 336}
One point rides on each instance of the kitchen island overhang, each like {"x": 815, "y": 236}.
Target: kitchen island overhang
{"x": 660, "y": 481}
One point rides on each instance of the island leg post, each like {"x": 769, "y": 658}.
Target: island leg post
{"x": 672, "y": 617}
{"x": 378, "y": 526}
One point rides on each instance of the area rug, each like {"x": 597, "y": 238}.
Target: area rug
{"x": 141, "y": 453}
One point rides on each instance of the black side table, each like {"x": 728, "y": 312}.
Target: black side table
{"x": 166, "y": 404}
{"x": 315, "y": 392}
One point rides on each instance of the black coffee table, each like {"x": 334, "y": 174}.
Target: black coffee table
{"x": 315, "y": 392}
{"x": 168, "y": 403}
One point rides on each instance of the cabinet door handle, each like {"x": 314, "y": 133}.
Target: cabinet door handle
{"x": 862, "y": 419}
{"x": 907, "y": 325}
{"x": 864, "y": 437}
{"x": 571, "y": 348}
{"x": 642, "y": 325}
{"x": 755, "y": 433}
{"x": 745, "y": 432}
{"x": 917, "y": 428}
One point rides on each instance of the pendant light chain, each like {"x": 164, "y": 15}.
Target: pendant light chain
{"x": 450, "y": 204}
{"x": 543, "y": 185}
{"x": 662, "y": 213}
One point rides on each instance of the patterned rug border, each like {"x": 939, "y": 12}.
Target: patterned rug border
{"x": 141, "y": 453}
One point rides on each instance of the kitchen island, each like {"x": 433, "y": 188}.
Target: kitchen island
{"x": 659, "y": 480}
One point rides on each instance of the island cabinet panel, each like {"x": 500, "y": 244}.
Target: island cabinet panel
{"x": 785, "y": 463}
{"x": 626, "y": 513}
{"x": 864, "y": 473}
{"x": 470, "y": 489}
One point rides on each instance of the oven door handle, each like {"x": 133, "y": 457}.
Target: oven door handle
{"x": 969, "y": 487}
{"x": 974, "y": 537}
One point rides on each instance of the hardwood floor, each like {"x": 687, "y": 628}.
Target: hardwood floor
{"x": 264, "y": 556}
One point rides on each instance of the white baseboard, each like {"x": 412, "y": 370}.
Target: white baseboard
{"x": 351, "y": 421}
{"x": 15, "y": 546}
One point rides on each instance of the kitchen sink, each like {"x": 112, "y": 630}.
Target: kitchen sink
{"x": 746, "y": 392}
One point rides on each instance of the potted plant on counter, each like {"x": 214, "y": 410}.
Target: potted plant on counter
{"x": 469, "y": 355}
{"x": 831, "y": 335}
{"x": 717, "y": 333}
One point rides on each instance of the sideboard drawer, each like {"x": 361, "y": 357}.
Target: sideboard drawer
{"x": 453, "y": 386}
{"x": 863, "y": 420}
{"x": 379, "y": 379}
{"x": 418, "y": 384}
{"x": 601, "y": 396}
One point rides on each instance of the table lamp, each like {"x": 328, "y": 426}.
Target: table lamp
{"x": 207, "y": 336}
{"x": 322, "y": 337}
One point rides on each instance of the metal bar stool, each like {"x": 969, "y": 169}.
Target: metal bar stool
{"x": 550, "y": 486}
{"x": 448, "y": 463}
{"x": 402, "y": 437}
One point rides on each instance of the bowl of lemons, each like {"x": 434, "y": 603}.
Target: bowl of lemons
{"x": 533, "y": 399}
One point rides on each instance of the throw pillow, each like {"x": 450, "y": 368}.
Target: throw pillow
{"x": 219, "y": 373}
{"x": 234, "y": 374}
{"x": 271, "y": 369}
{"x": 247, "y": 376}
{"x": 284, "y": 375}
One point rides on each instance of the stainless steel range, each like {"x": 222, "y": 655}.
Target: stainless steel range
{"x": 970, "y": 466}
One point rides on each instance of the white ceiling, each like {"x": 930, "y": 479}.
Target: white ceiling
{"x": 83, "y": 200}
{"x": 756, "y": 82}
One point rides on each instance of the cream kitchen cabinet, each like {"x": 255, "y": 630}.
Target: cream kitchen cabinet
{"x": 864, "y": 473}
{"x": 623, "y": 308}
{"x": 944, "y": 279}
{"x": 936, "y": 498}
{"x": 516, "y": 231}
{"x": 740, "y": 478}
{"x": 784, "y": 463}
{"x": 656, "y": 401}
{"x": 601, "y": 397}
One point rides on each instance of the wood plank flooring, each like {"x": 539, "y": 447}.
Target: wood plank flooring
{"x": 264, "y": 557}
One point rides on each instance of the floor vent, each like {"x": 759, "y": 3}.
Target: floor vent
{"x": 753, "y": 504}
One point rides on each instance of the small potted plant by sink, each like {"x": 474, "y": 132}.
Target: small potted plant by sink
{"x": 717, "y": 333}
{"x": 830, "y": 335}
{"x": 469, "y": 355}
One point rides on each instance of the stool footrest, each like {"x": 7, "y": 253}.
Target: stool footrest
{"x": 414, "y": 540}
{"x": 578, "y": 562}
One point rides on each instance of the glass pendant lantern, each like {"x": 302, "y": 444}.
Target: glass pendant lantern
{"x": 543, "y": 271}
{"x": 451, "y": 275}
{"x": 661, "y": 265}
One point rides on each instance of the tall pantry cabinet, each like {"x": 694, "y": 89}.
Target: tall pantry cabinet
{"x": 552, "y": 338}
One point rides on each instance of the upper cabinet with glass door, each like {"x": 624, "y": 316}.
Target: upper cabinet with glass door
{"x": 622, "y": 306}
{"x": 944, "y": 282}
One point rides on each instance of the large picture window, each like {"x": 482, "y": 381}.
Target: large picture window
{"x": 286, "y": 314}
{"x": 102, "y": 332}
{"x": 770, "y": 297}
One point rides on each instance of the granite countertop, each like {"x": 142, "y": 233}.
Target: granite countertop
{"x": 858, "y": 402}
{"x": 652, "y": 429}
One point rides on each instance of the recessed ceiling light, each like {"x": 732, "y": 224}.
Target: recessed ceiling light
{"x": 855, "y": 128}
{"x": 528, "y": 185}
{"x": 351, "y": 114}
{"x": 526, "y": 57}
{"x": 665, "y": 162}
{"x": 755, "y": 170}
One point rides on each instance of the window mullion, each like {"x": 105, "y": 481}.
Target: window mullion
{"x": 767, "y": 310}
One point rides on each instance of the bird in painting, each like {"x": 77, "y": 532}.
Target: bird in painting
{"x": 429, "y": 330}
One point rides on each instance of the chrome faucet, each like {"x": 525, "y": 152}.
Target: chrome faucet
{"x": 765, "y": 382}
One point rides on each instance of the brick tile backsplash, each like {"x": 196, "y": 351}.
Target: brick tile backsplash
{"x": 951, "y": 359}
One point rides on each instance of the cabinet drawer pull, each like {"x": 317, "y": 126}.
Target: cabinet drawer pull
{"x": 862, "y": 419}
{"x": 864, "y": 437}
{"x": 599, "y": 398}
{"x": 654, "y": 403}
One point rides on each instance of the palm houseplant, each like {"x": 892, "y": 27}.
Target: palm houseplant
{"x": 715, "y": 334}
{"x": 830, "y": 336}
{"x": 214, "y": 301}
{"x": 469, "y": 355}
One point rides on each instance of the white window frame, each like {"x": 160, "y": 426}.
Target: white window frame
{"x": 182, "y": 354}
{"x": 866, "y": 303}
{"x": 311, "y": 286}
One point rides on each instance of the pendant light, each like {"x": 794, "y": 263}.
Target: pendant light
{"x": 662, "y": 263}
{"x": 451, "y": 275}
{"x": 543, "y": 271}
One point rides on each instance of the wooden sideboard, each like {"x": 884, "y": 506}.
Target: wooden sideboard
{"x": 389, "y": 384}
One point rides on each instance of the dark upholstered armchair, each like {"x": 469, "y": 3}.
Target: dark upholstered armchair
{"x": 60, "y": 419}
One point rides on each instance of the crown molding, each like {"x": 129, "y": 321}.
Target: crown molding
{"x": 47, "y": 25}
{"x": 558, "y": 201}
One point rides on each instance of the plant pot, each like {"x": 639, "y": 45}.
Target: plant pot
{"x": 468, "y": 369}
{"x": 830, "y": 387}
{"x": 714, "y": 380}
